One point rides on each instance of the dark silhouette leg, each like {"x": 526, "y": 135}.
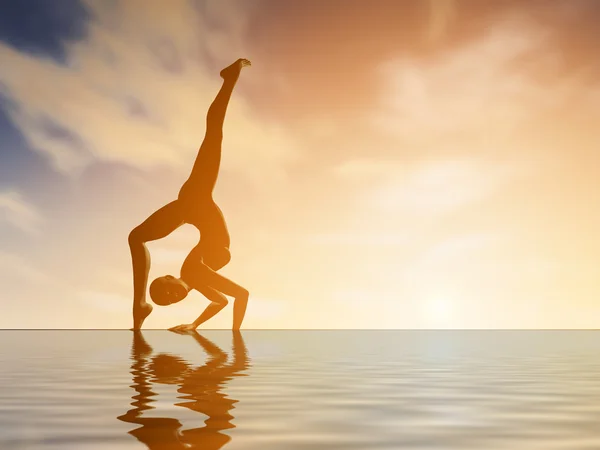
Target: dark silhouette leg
{"x": 160, "y": 224}
{"x": 213, "y": 285}
{"x": 217, "y": 302}
{"x": 206, "y": 167}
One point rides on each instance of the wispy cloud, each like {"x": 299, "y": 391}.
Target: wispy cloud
{"x": 262, "y": 308}
{"x": 18, "y": 212}
{"x": 16, "y": 267}
{"x": 359, "y": 169}
{"x": 442, "y": 13}
{"x": 439, "y": 187}
{"x": 360, "y": 175}
{"x": 137, "y": 90}
{"x": 457, "y": 120}
{"x": 164, "y": 255}
{"x": 480, "y": 85}
{"x": 106, "y": 301}
{"x": 427, "y": 187}
{"x": 353, "y": 239}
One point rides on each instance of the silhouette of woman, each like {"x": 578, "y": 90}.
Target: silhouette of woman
{"x": 200, "y": 388}
{"x": 194, "y": 205}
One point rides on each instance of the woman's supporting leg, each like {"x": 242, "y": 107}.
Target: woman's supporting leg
{"x": 217, "y": 302}
{"x": 203, "y": 276}
{"x": 160, "y": 224}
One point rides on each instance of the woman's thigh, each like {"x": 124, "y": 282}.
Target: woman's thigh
{"x": 161, "y": 223}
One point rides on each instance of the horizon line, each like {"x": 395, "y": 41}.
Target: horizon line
{"x": 308, "y": 329}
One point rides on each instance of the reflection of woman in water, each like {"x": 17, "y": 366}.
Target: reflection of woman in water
{"x": 194, "y": 205}
{"x": 200, "y": 389}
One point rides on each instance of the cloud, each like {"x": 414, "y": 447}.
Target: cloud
{"x": 15, "y": 267}
{"x": 16, "y": 211}
{"x": 442, "y": 13}
{"x": 137, "y": 89}
{"x": 168, "y": 255}
{"x": 362, "y": 168}
{"x": 376, "y": 239}
{"x": 106, "y": 301}
{"x": 480, "y": 85}
{"x": 457, "y": 123}
{"x": 459, "y": 246}
{"x": 261, "y": 308}
{"x": 439, "y": 187}
{"x": 427, "y": 187}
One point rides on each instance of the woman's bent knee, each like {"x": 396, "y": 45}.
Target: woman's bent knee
{"x": 134, "y": 237}
{"x": 221, "y": 302}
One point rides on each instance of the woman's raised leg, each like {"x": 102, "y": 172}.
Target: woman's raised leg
{"x": 206, "y": 167}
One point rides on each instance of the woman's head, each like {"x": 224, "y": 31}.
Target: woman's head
{"x": 167, "y": 290}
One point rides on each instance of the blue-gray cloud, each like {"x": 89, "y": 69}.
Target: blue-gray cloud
{"x": 41, "y": 27}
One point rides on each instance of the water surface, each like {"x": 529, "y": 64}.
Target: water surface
{"x": 300, "y": 390}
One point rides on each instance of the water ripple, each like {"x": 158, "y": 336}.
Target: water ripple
{"x": 299, "y": 390}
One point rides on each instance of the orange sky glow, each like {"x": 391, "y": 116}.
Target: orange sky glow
{"x": 399, "y": 165}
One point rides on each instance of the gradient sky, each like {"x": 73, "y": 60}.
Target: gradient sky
{"x": 386, "y": 164}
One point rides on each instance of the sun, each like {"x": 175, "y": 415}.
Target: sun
{"x": 438, "y": 311}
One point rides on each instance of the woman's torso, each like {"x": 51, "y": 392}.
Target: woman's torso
{"x": 202, "y": 212}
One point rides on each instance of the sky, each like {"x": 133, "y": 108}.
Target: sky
{"x": 415, "y": 164}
